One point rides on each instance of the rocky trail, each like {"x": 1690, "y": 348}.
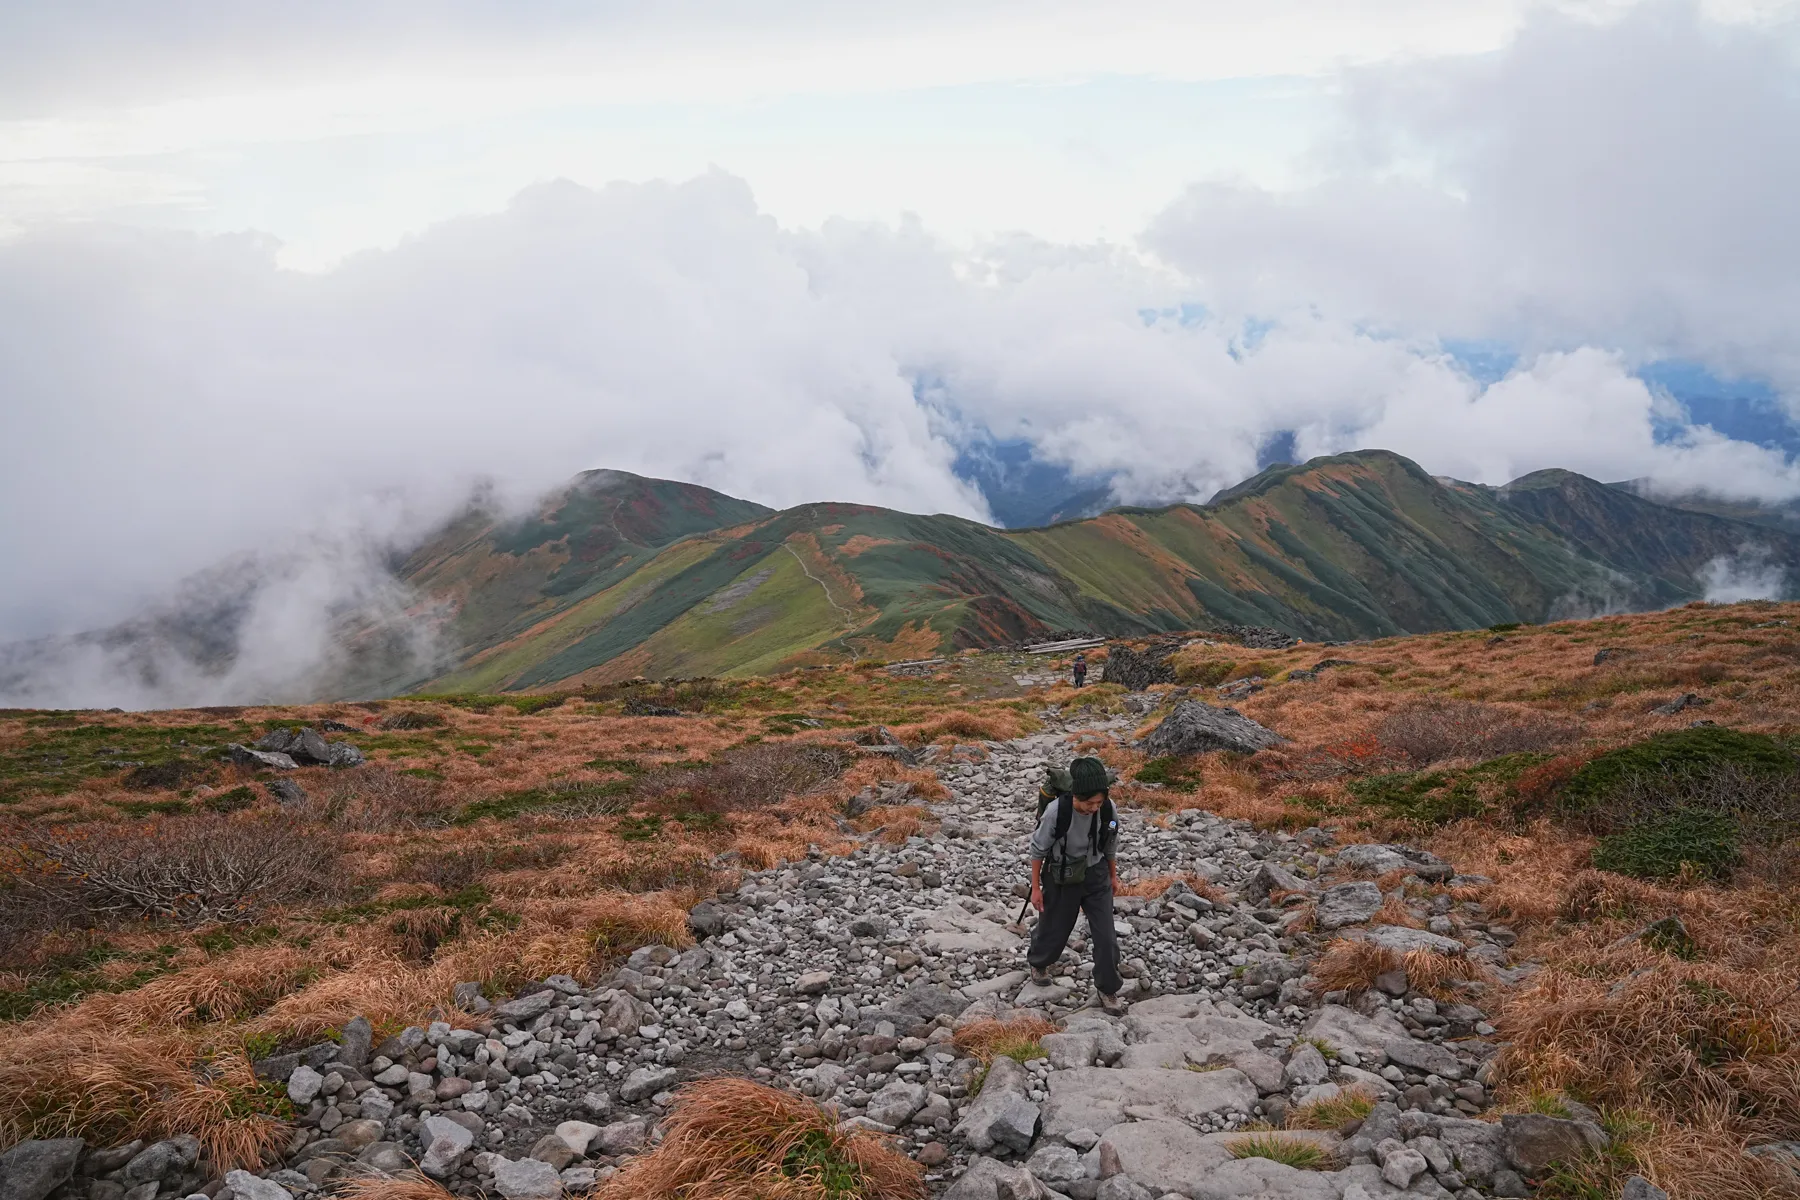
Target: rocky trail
{"x": 848, "y": 978}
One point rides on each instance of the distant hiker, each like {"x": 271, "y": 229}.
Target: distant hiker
{"x": 1080, "y": 670}
{"x": 1073, "y": 870}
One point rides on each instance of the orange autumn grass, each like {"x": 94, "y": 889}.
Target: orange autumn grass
{"x": 1353, "y": 966}
{"x": 731, "y": 1139}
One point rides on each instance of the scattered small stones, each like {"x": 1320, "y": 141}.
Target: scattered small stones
{"x": 846, "y": 979}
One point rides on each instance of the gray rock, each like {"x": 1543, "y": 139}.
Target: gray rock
{"x": 526, "y": 1179}
{"x": 1265, "y": 1072}
{"x": 1306, "y": 1066}
{"x": 387, "y": 1157}
{"x": 1195, "y": 727}
{"x": 1428, "y": 1058}
{"x": 706, "y": 920}
{"x": 1347, "y": 904}
{"x": 1163, "y": 1156}
{"x": 1269, "y": 879}
{"x": 622, "y": 1137}
{"x": 927, "y": 1002}
{"x": 1346, "y": 1030}
{"x": 1534, "y": 1141}
{"x": 645, "y": 1082}
{"x": 285, "y": 792}
{"x": 895, "y": 1103}
{"x": 308, "y": 747}
{"x": 1400, "y": 1164}
{"x": 1510, "y": 1185}
{"x": 1068, "y": 1050}
{"x": 1403, "y": 940}
{"x": 1001, "y": 1112}
{"x": 1056, "y": 1165}
{"x": 304, "y": 1084}
{"x": 1122, "y": 1187}
{"x": 1639, "y": 1188}
{"x": 342, "y": 755}
{"x": 256, "y": 760}
{"x": 357, "y": 1036}
{"x": 245, "y": 1186}
{"x": 990, "y": 1179}
{"x": 1096, "y": 1097}
{"x": 153, "y": 1163}
{"x": 527, "y": 1008}
{"x": 32, "y": 1170}
{"x": 1373, "y": 859}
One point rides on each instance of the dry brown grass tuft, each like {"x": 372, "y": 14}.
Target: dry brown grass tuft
{"x": 407, "y": 1186}
{"x": 964, "y": 725}
{"x": 1393, "y": 911}
{"x": 1152, "y": 886}
{"x": 88, "y": 1078}
{"x": 731, "y": 1139}
{"x": 1352, "y": 966}
{"x": 1709, "y": 1056}
{"x": 987, "y": 1039}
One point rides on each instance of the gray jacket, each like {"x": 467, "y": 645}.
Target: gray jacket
{"x": 1076, "y": 842}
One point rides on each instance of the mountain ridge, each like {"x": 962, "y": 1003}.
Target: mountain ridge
{"x": 1345, "y": 546}
{"x": 617, "y": 575}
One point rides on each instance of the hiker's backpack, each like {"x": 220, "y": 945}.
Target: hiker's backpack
{"x": 1103, "y": 833}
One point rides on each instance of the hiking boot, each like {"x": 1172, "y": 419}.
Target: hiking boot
{"x": 1112, "y": 1003}
{"x": 1040, "y": 976}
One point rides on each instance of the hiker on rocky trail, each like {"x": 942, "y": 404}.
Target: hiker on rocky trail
{"x": 1080, "y": 670}
{"x": 1074, "y": 870}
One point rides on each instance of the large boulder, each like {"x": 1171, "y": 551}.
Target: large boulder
{"x": 1343, "y": 1029}
{"x": 1347, "y": 904}
{"x": 991, "y": 1179}
{"x": 1169, "y": 1156}
{"x": 1196, "y": 727}
{"x": 258, "y": 760}
{"x": 1136, "y": 671}
{"x": 1002, "y": 1115}
{"x": 1097, "y": 1097}
{"x": 32, "y": 1170}
{"x": 953, "y": 929}
{"x": 1190, "y": 1020}
{"x": 1535, "y": 1141}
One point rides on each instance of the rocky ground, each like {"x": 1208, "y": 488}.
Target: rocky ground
{"x": 847, "y": 978}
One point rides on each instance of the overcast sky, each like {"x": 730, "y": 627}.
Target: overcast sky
{"x": 271, "y": 271}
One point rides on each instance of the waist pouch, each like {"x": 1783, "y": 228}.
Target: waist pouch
{"x": 1063, "y": 871}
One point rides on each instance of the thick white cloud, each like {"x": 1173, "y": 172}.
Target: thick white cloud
{"x": 1628, "y": 185}
{"x": 1596, "y": 193}
{"x": 172, "y": 399}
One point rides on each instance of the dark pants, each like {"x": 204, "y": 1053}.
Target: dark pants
{"x": 1080, "y": 678}
{"x": 1062, "y": 904}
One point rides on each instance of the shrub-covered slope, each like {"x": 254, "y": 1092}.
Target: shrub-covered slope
{"x": 621, "y": 576}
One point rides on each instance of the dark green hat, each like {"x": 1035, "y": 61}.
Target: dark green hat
{"x": 1088, "y": 775}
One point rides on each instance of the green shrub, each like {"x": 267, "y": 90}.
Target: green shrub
{"x": 1210, "y": 673}
{"x": 1172, "y": 771}
{"x": 231, "y": 800}
{"x": 1703, "y": 748}
{"x": 1440, "y": 797}
{"x": 1667, "y": 845}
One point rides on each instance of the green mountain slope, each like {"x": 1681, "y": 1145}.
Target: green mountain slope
{"x": 621, "y": 576}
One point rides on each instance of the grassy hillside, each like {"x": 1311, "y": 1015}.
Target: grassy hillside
{"x": 499, "y": 838}
{"x": 621, "y": 576}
